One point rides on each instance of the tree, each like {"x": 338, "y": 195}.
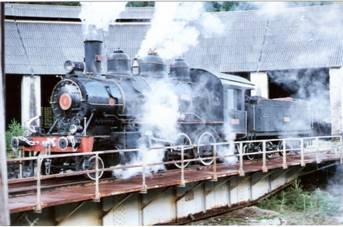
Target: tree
{"x": 54, "y": 3}
{"x": 220, "y": 6}
{"x": 140, "y": 4}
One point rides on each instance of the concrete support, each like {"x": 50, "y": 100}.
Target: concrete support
{"x": 30, "y": 99}
{"x": 260, "y": 79}
{"x": 4, "y": 213}
{"x": 336, "y": 97}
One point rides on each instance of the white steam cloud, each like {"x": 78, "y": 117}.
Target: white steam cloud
{"x": 159, "y": 126}
{"x": 311, "y": 87}
{"x": 227, "y": 153}
{"x": 177, "y": 26}
{"x": 97, "y": 16}
{"x": 161, "y": 110}
{"x": 270, "y": 8}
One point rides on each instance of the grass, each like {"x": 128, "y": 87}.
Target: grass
{"x": 14, "y": 129}
{"x": 303, "y": 207}
{"x": 292, "y": 206}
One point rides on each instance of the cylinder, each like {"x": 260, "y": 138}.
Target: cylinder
{"x": 93, "y": 56}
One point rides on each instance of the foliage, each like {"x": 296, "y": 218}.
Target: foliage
{"x": 140, "y": 4}
{"x": 54, "y": 3}
{"x": 231, "y": 6}
{"x": 315, "y": 206}
{"x": 129, "y": 4}
{"x": 14, "y": 129}
{"x": 213, "y": 6}
{"x": 221, "y": 6}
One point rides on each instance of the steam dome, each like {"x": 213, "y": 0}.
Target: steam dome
{"x": 152, "y": 65}
{"x": 118, "y": 62}
{"x": 179, "y": 70}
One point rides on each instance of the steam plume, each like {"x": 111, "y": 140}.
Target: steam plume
{"x": 176, "y": 27}
{"x": 270, "y": 8}
{"x": 159, "y": 120}
{"x": 96, "y": 16}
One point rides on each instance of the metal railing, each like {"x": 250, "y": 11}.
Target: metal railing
{"x": 302, "y": 147}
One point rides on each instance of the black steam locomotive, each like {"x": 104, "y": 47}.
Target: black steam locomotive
{"x": 95, "y": 111}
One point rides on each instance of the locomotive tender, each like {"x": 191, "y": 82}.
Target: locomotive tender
{"x": 96, "y": 111}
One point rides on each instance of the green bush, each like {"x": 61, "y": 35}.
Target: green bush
{"x": 14, "y": 129}
{"x": 296, "y": 199}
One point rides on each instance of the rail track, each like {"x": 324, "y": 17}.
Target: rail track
{"x": 28, "y": 186}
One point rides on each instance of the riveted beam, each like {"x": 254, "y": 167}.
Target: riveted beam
{"x": 189, "y": 190}
{"x": 117, "y": 205}
{"x": 217, "y": 185}
{"x": 153, "y": 199}
{"x": 76, "y": 208}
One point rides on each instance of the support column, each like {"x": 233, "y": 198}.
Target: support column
{"x": 30, "y": 99}
{"x": 260, "y": 79}
{"x": 4, "y": 211}
{"x": 336, "y": 97}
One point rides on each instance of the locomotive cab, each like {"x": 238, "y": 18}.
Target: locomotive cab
{"x": 235, "y": 112}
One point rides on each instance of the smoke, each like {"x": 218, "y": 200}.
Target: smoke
{"x": 275, "y": 8}
{"x": 330, "y": 193}
{"x": 307, "y": 47}
{"x": 97, "y": 16}
{"x": 311, "y": 85}
{"x": 310, "y": 88}
{"x": 270, "y": 8}
{"x": 227, "y": 153}
{"x": 161, "y": 110}
{"x": 206, "y": 104}
{"x": 167, "y": 103}
{"x": 158, "y": 126}
{"x": 177, "y": 26}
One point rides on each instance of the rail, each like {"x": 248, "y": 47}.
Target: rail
{"x": 237, "y": 151}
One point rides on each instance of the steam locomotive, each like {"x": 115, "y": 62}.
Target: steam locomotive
{"x": 95, "y": 111}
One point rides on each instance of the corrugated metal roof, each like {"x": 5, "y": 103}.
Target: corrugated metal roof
{"x": 298, "y": 38}
{"x": 71, "y": 12}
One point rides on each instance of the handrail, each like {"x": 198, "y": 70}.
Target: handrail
{"x": 301, "y": 146}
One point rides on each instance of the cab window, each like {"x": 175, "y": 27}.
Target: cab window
{"x": 234, "y": 99}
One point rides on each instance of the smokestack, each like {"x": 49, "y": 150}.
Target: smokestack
{"x": 93, "y": 56}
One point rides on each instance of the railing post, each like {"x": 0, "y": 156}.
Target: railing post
{"x": 20, "y": 154}
{"x": 182, "y": 183}
{"x": 38, "y": 208}
{"x": 97, "y": 190}
{"x": 144, "y": 187}
{"x": 241, "y": 170}
{"x": 317, "y": 150}
{"x": 302, "y": 161}
{"x": 284, "y": 158}
{"x": 264, "y": 157}
{"x": 215, "y": 177}
{"x": 335, "y": 148}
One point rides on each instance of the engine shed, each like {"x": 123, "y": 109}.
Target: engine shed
{"x": 284, "y": 55}
{"x": 280, "y": 57}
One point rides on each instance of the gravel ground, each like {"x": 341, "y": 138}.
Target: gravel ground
{"x": 246, "y": 216}
{"x": 254, "y": 215}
